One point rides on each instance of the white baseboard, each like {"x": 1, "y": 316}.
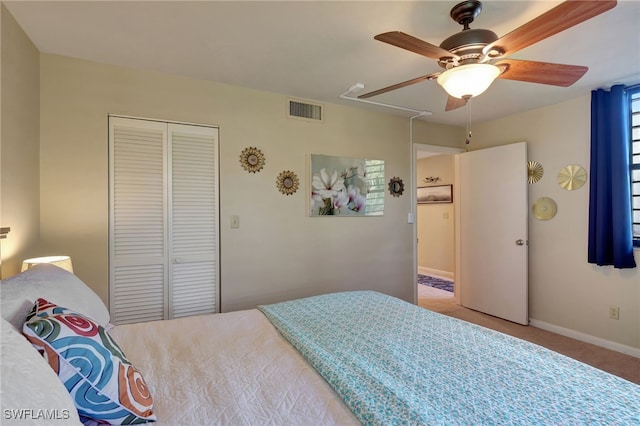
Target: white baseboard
{"x": 618, "y": 347}
{"x": 446, "y": 275}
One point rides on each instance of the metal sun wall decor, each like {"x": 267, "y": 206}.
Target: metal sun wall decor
{"x": 572, "y": 177}
{"x": 287, "y": 182}
{"x": 534, "y": 171}
{"x": 396, "y": 186}
{"x": 252, "y": 159}
{"x": 544, "y": 208}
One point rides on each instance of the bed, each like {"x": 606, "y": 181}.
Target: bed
{"x": 357, "y": 357}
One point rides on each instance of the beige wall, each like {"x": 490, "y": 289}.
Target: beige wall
{"x": 19, "y": 148}
{"x": 564, "y": 290}
{"x": 279, "y": 251}
{"x": 435, "y": 221}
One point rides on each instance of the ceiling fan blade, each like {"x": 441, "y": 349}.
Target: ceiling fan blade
{"x": 541, "y": 72}
{"x": 454, "y": 103}
{"x": 421, "y": 47}
{"x": 399, "y": 85}
{"x": 558, "y": 19}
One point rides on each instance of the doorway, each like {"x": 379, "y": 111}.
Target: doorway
{"x": 434, "y": 169}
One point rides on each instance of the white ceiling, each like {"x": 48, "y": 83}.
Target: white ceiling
{"x": 316, "y": 50}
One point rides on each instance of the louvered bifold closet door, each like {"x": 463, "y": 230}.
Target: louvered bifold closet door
{"x": 138, "y": 220}
{"x": 193, "y": 247}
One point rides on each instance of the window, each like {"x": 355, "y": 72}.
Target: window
{"x": 634, "y": 165}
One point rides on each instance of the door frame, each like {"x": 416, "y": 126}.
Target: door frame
{"x": 413, "y": 188}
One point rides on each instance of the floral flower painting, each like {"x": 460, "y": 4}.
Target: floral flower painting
{"x": 342, "y": 186}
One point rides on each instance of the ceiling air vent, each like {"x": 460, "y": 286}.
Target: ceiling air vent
{"x": 305, "y": 110}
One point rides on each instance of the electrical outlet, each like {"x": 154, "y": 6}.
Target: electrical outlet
{"x": 614, "y": 312}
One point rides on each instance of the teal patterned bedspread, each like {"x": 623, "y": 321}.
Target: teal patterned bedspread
{"x": 394, "y": 363}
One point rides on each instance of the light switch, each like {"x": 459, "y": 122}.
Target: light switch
{"x": 445, "y": 215}
{"x": 235, "y": 222}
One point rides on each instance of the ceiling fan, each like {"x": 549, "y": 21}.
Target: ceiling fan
{"x": 473, "y": 58}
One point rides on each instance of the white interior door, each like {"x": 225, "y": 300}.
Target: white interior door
{"x": 492, "y": 211}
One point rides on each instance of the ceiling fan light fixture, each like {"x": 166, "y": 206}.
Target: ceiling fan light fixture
{"x": 469, "y": 80}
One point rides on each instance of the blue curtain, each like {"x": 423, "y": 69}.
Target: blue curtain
{"x": 610, "y": 233}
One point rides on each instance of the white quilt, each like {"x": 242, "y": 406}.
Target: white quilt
{"x": 231, "y": 368}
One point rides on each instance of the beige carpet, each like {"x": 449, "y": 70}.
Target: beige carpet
{"x": 622, "y": 365}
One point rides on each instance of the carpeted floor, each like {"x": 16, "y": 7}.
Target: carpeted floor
{"x": 625, "y": 366}
{"x": 435, "y": 282}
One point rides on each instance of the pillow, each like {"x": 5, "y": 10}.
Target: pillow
{"x": 101, "y": 381}
{"x": 43, "y": 308}
{"x": 19, "y": 292}
{"x": 30, "y": 389}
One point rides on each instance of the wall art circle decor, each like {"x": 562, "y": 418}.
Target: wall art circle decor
{"x": 287, "y": 182}
{"x": 396, "y": 186}
{"x": 252, "y": 159}
{"x": 572, "y": 177}
{"x": 544, "y": 208}
{"x": 534, "y": 171}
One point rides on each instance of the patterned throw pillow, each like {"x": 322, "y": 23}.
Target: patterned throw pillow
{"x": 101, "y": 381}
{"x": 43, "y": 309}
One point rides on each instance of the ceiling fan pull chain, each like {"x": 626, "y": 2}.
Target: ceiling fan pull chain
{"x": 468, "y": 121}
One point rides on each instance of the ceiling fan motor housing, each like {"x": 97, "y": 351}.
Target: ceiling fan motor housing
{"x": 468, "y": 45}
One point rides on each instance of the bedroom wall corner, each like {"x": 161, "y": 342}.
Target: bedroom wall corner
{"x": 19, "y": 145}
{"x": 565, "y": 291}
